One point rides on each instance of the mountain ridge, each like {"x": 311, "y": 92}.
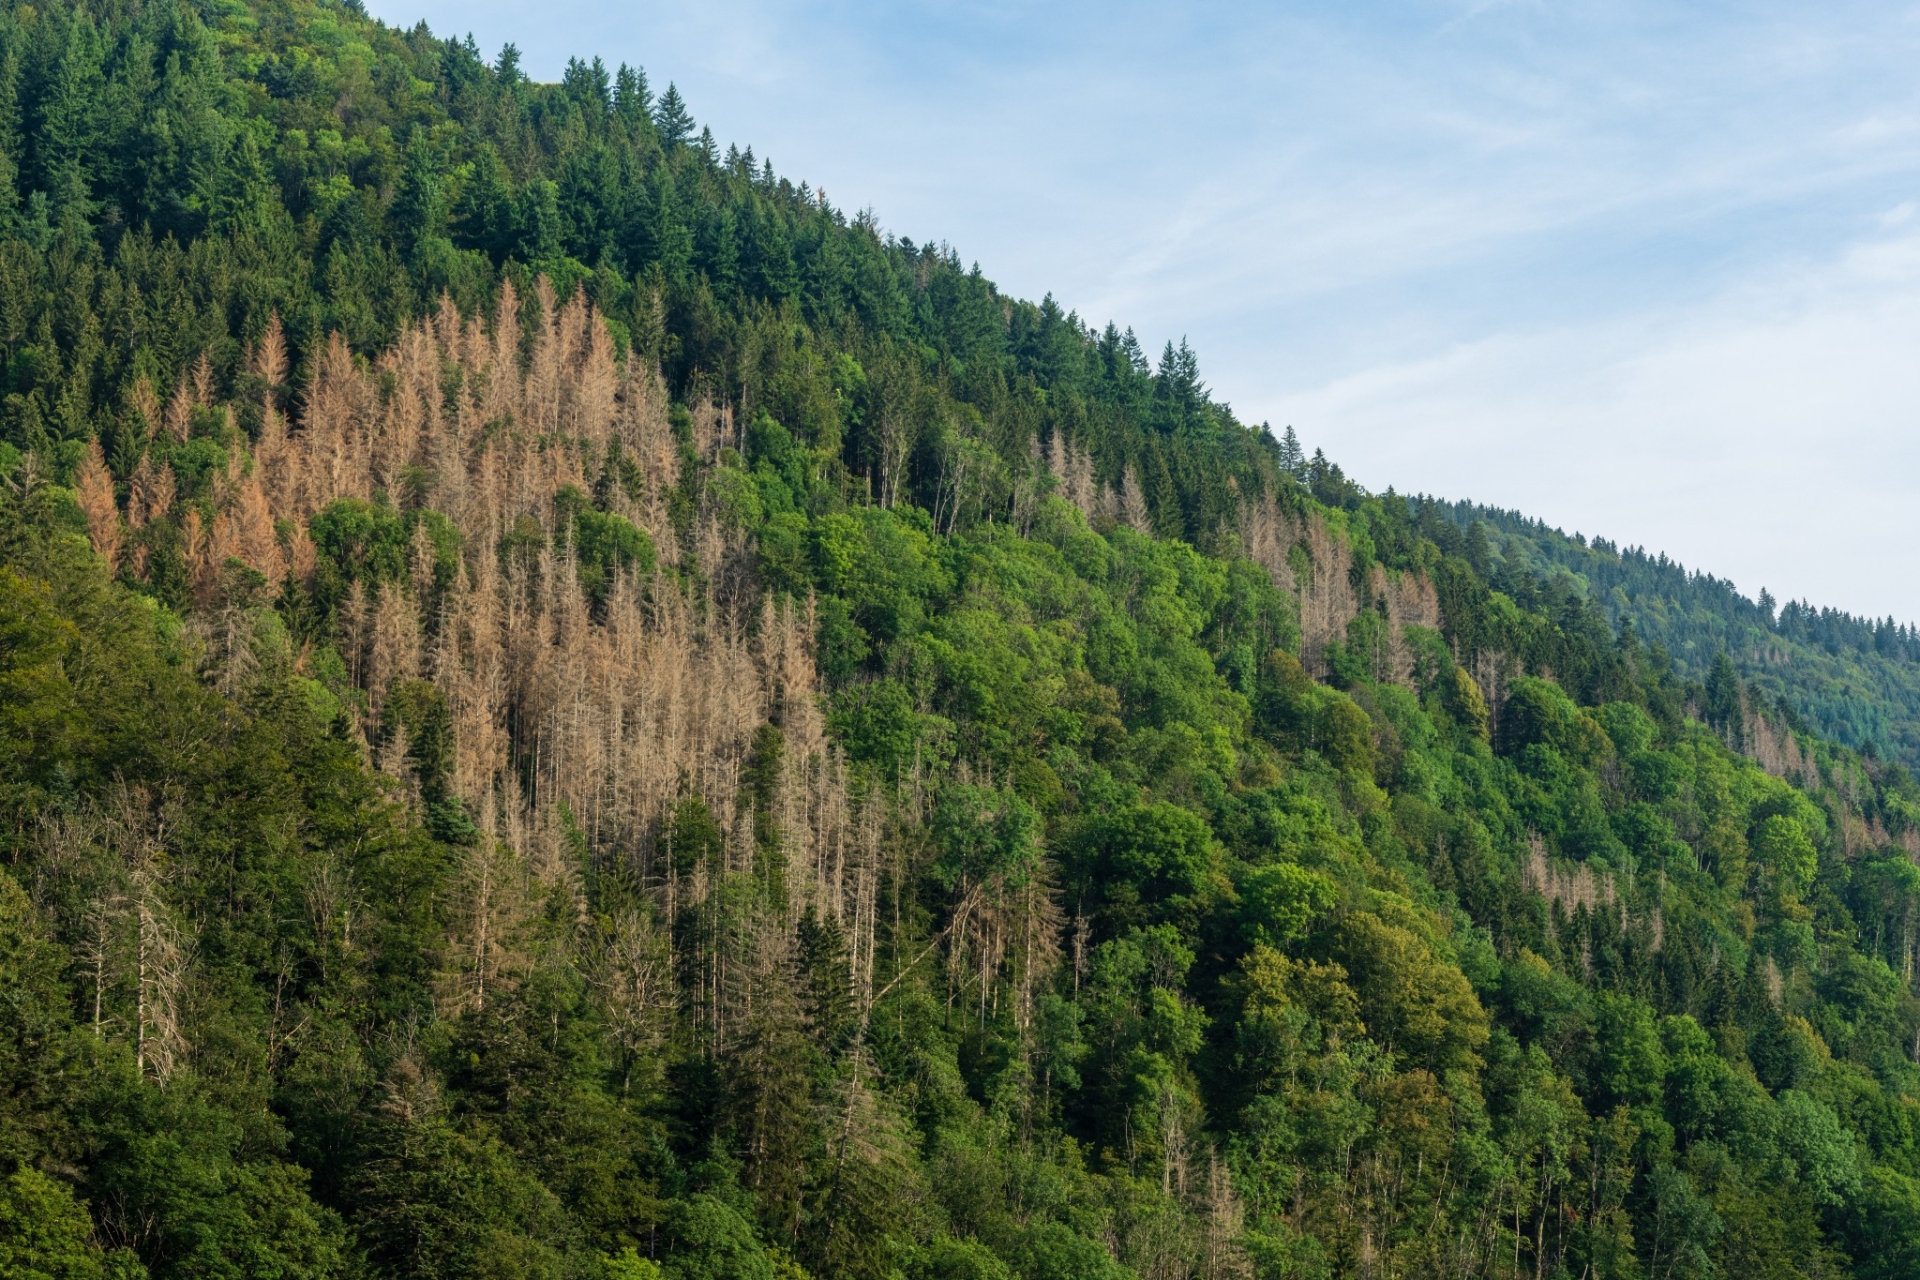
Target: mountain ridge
{"x": 1854, "y": 679}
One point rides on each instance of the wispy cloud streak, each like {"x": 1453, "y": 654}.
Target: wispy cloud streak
{"x": 1542, "y": 231}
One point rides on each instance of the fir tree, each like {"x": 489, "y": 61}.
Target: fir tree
{"x": 419, "y": 209}
{"x": 632, "y": 100}
{"x": 9, "y": 137}
{"x": 1291, "y": 459}
{"x": 537, "y": 220}
{"x": 670, "y": 117}
{"x": 485, "y": 216}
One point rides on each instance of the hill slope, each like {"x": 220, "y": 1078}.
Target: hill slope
{"x": 1855, "y": 680}
{"x": 567, "y": 710}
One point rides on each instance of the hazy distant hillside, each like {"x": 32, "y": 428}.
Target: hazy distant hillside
{"x": 1856, "y": 680}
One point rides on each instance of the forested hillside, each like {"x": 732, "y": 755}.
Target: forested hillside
{"x": 1855, "y": 680}
{"x": 569, "y": 710}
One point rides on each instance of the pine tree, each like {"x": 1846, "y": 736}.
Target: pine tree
{"x": 537, "y": 219}
{"x": 1178, "y": 380}
{"x": 9, "y": 138}
{"x": 1133, "y": 503}
{"x": 771, "y": 1106}
{"x": 486, "y": 214}
{"x": 1292, "y": 460}
{"x": 632, "y": 100}
{"x": 825, "y": 994}
{"x": 720, "y": 250}
{"x": 93, "y": 487}
{"x": 671, "y": 119}
{"x": 771, "y": 270}
{"x": 586, "y": 84}
{"x": 419, "y": 212}
{"x": 669, "y": 241}
{"x": 70, "y": 121}
{"x": 1479, "y": 549}
{"x": 1724, "y": 702}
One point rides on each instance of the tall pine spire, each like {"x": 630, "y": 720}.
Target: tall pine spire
{"x": 1292, "y": 460}
{"x": 632, "y": 100}
{"x": 671, "y": 118}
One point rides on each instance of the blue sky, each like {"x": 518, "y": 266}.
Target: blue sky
{"x": 1647, "y": 270}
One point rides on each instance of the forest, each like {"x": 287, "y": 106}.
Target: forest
{"x": 1854, "y": 680}
{"x": 569, "y": 709}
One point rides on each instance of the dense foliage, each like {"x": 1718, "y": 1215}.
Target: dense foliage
{"x": 174, "y": 177}
{"x": 1855, "y": 680}
{"x": 806, "y": 766}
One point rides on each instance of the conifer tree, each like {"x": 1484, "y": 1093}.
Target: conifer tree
{"x": 537, "y": 220}
{"x": 1292, "y": 460}
{"x": 1724, "y": 703}
{"x": 485, "y": 216}
{"x": 419, "y": 208}
{"x": 632, "y": 100}
{"x": 69, "y": 123}
{"x": 10, "y": 137}
{"x": 670, "y": 117}
{"x": 667, "y": 237}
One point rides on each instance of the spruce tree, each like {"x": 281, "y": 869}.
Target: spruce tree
{"x": 670, "y": 117}
{"x": 485, "y": 216}
{"x": 9, "y": 137}
{"x": 1479, "y": 550}
{"x": 1724, "y": 703}
{"x": 632, "y": 100}
{"x": 419, "y": 211}
{"x": 1292, "y": 460}
{"x": 537, "y": 218}
{"x": 70, "y": 121}
{"x": 669, "y": 240}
